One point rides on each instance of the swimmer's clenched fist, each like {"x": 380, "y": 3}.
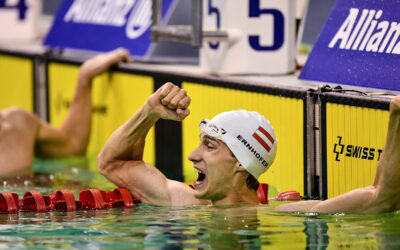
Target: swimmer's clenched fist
{"x": 170, "y": 102}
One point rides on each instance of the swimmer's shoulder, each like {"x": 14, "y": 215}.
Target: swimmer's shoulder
{"x": 17, "y": 115}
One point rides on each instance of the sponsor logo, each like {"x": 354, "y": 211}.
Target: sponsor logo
{"x": 355, "y": 151}
{"x": 135, "y": 15}
{"x": 264, "y": 138}
{"x": 252, "y": 150}
{"x": 214, "y": 129}
{"x": 367, "y": 30}
{"x": 21, "y": 6}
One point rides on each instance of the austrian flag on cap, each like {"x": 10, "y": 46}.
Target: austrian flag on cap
{"x": 264, "y": 138}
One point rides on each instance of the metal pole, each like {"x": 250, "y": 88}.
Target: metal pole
{"x": 197, "y": 23}
{"x": 318, "y": 145}
{"x": 156, "y": 16}
{"x": 311, "y": 149}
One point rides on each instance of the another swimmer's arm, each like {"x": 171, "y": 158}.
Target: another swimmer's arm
{"x": 358, "y": 200}
{"x": 384, "y": 194}
{"x": 121, "y": 159}
{"x": 73, "y": 136}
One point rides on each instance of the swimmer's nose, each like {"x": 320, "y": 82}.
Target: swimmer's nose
{"x": 195, "y": 155}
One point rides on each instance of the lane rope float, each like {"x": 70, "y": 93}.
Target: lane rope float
{"x": 64, "y": 200}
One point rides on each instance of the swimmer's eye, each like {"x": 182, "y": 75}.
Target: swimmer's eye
{"x": 209, "y": 145}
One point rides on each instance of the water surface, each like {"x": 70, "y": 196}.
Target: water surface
{"x": 194, "y": 227}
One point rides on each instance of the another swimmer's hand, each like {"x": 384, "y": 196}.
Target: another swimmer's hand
{"x": 170, "y": 102}
{"x": 102, "y": 62}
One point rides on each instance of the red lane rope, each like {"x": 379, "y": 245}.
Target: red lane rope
{"x": 8, "y": 203}
{"x": 64, "y": 200}
{"x": 33, "y": 201}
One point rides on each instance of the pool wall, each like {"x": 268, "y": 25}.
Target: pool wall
{"x": 17, "y": 80}
{"x": 353, "y": 132}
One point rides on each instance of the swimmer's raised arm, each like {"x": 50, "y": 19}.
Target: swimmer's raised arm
{"x": 383, "y": 195}
{"x": 121, "y": 159}
{"x": 73, "y": 136}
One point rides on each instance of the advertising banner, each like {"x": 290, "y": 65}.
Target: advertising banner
{"x": 102, "y": 25}
{"x": 17, "y": 87}
{"x": 354, "y": 139}
{"x": 359, "y": 45}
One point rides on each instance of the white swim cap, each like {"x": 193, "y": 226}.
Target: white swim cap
{"x": 249, "y": 136}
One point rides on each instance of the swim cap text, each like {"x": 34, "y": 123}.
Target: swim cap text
{"x": 252, "y": 150}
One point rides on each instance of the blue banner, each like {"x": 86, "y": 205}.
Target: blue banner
{"x": 359, "y": 45}
{"x": 103, "y": 25}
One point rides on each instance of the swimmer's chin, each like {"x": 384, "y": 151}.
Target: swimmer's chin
{"x": 198, "y": 194}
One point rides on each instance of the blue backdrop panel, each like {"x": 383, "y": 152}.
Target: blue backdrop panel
{"x": 359, "y": 45}
{"x": 104, "y": 25}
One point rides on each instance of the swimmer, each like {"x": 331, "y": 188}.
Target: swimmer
{"x": 236, "y": 147}
{"x": 23, "y": 135}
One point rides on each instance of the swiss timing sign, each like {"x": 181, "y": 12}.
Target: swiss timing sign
{"x": 359, "y": 45}
{"x": 103, "y": 25}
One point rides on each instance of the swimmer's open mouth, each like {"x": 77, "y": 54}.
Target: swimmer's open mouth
{"x": 200, "y": 178}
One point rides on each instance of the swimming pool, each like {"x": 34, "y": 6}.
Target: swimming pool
{"x": 205, "y": 227}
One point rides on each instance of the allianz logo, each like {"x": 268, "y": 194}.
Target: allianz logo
{"x": 367, "y": 30}
{"x": 135, "y": 15}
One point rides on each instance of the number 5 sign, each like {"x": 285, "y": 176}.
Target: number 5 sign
{"x": 261, "y": 36}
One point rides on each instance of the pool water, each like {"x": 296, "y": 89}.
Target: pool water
{"x": 194, "y": 227}
{"x": 204, "y": 227}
